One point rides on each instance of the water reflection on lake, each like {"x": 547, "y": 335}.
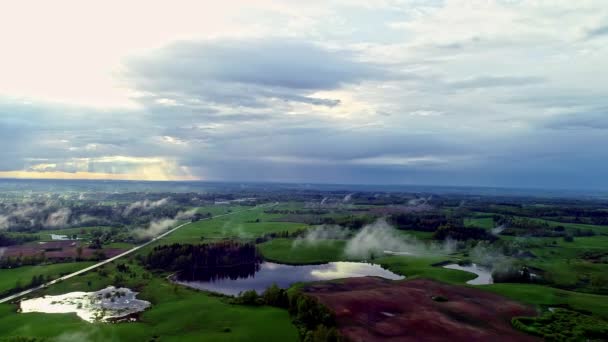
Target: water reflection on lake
{"x": 484, "y": 274}
{"x": 268, "y": 273}
{"x": 100, "y": 306}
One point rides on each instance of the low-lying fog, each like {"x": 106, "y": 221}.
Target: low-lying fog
{"x": 375, "y": 239}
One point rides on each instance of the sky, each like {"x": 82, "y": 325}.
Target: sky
{"x": 508, "y": 93}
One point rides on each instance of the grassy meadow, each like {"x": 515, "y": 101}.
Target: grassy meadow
{"x": 181, "y": 314}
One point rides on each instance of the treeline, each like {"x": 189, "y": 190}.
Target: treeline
{"x": 349, "y": 221}
{"x": 18, "y": 261}
{"x": 425, "y": 222}
{"x": 314, "y": 321}
{"x": 34, "y": 217}
{"x": 566, "y": 212}
{"x": 279, "y": 235}
{"x": 455, "y": 232}
{"x": 517, "y": 226}
{"x": 442, "y": 226}
{"x": 297, "y": 211}
{"x": 515, "y": 274}
{"x": 382, "y": 199}
{"x": 10, "y": 240}
{"x": 188, "y": 259}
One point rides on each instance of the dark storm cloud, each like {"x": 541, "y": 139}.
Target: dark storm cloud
{"x": 247, "y": 72}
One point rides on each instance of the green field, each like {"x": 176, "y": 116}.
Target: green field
{"x": 182, "y": 314}
{"x": 481, "y": 222}
{"x": 177, "y": 314}
{"x": 284, "y": 251}
{"x": 244, "y": 225}
{"x": 547, "y": 296}
{"x": 421, "y": 267}
{"x": 23, "y": 275}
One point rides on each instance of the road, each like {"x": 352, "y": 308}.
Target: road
{"x": 130, "y": 251}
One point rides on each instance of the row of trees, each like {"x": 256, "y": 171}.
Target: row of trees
{"x": 426, "y": 222}
{"x": 13, "y": 262}
{"x": 456, "y": 232}
{"x": 534, "y": 227}
{"x": 35, "y": 217}
{"x": 192, "y": 259}
{"x": 563, "y": 212}
{"x": 349, "y": 221}
{"x": 10, "y": 239}
{"x": 279, "y": 235}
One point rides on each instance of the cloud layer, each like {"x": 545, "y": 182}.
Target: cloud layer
{"x": 499, "y": 93}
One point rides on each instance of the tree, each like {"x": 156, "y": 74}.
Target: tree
{"x": 79, "y": 252}
{"x": 249, "y": 297}
{"x": 322, "y": 334}
{"x": 275, "y": 296}
{"x": 119, "y": 280}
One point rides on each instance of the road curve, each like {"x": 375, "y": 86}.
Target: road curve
{"x": 107, "y": 261}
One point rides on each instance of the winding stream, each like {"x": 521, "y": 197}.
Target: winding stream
{"x": 484, "y": 274}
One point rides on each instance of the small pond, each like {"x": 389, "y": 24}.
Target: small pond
{"x": 105, "y": 305}
{"x": 484, "y": 274}
{"x": 262, "y": 276}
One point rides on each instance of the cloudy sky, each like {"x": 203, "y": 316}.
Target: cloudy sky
{"x": 491, "y": 93}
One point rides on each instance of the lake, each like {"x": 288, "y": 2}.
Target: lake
{"x": 262, "y": 276}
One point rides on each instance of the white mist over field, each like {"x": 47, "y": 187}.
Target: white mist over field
{"x": 157, "y": 227}
{"x": 35, "y": 213}
{"x": 59, "y": 218}
{"x": 144, "y": 205}
{"x": 380, "y": 238}
{"x": 322, "y": 233}
{"x": 375, "y": 239}
{"x": 499, "y": 229}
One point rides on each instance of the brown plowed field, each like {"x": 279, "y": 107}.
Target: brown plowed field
{"x": 375, "y": 309}
{"x": 56, "y": 250}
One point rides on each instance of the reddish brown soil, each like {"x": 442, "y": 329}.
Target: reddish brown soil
{"x": 374, "y": 309}
{"x": 56, "y": 250}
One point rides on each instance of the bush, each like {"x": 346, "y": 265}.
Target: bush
{"x": 322, "y": 334}
{"x": 440, "y": 299}
{"x": 275, "y": 296}
{"x": 515, "y": 275}
{"x": 563, "y": 325}
{"x": 462, "y": 233}
{"x": 248, "y": 298}
{"x": 313, "y": 320}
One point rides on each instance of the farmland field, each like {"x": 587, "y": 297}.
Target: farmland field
{"x": 569, "y": 266}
